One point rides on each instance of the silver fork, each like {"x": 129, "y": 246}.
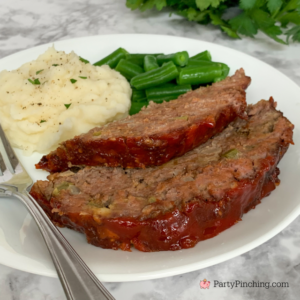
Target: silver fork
{"x": 78, "y": 281}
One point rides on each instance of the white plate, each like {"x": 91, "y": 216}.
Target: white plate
{"x": 22, "y": 247}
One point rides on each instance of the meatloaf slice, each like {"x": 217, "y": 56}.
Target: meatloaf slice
{"x": 173, "y": 206}
{"x": 158, "y": 133}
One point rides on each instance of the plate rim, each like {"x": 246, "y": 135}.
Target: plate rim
{"x": 125, "y": 277}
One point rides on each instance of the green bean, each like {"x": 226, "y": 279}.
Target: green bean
{"x": 205, "y": 55}
{"x": 150, "y": 63}
{"x": 179, "y": 59}
{"x": 199, "y": 62}
{"x": 224, "y": 67}
{"x": 225, "y": 72}
{"x": 155, "y": 77}
{"x": 138, "y": 58}
{"x": 138, "y": 96}
{"x": 128, "y": 69}
{"x": 112, "y": 59}
{"x": 166, "y": 93}
{"x": 136, "y": 107}
{"x": 200, "y": 74}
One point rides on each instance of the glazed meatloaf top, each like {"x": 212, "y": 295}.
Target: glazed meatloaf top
{"x": 186, "y": 110}
{"x": 206, "y": 173}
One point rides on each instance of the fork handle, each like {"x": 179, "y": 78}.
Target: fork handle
{"x": 78, "y": 281}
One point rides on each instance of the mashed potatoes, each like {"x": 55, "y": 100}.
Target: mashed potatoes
{"x": 57, "y": 97}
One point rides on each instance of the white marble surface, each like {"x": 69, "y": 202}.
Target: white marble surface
{"x": 27, "y": 23}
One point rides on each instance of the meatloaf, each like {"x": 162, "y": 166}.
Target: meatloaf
{"x": 176, "y": 205}
{"x": 158, "y": 133}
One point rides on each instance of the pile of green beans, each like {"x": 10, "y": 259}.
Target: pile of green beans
{"x": 159, "y": 77}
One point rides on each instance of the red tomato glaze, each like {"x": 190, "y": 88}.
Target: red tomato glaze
{"x": 178, "y": 229}
{"x": 135, "y": 152}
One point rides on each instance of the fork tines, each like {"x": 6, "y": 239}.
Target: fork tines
{"x": 8, "y": 158}
{"x": 2, "y": 165}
